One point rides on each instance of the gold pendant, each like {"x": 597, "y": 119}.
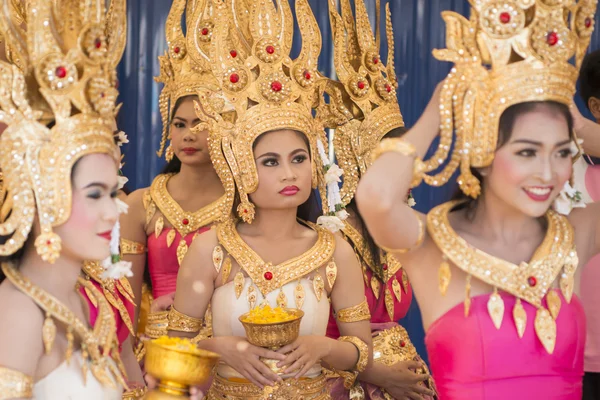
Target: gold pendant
{"x": 171, "y": 237}
{"x": 566, "y": 286}
{"x": 281, "y": 299}
{"x": 444, "y": 275}
{"x": 70, "y": 342}
{"x": 91, "y": 297}
{"x": 404, "y": 281}
{"x": 554, "y": 303}
{"x": 389, "y": 304}
{"x": 181, "y": 251}
{"x": 375, "y": 286}
{"x": 318, "y": 286}
{"x": 217, "y": 258}
{"x": 495, "y": 308}
{"x": 331, "y": 273}
{"x": 468, "y": 296}
{"x": 520, "y": 317}
{"x": 48, "y": 333}
{"x": 226, "y": 270}
{"x": 158, "y": 226}
{"x": 251, "y": 297}
{"x": 238, "y": 283}
{"x": 397, "y": 290}
{"x": 299, "y": 295}
{"x": 84, "y": 364}
{"x": 545, "y": 328}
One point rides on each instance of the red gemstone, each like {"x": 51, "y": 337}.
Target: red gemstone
{"x": 233, "y": 53}
{"x": 176, "y": 50}
{"x": 61, "y": 72}
{"x": 98, "y": 43}
{"x": 307, "y": 75}
{"x": 102, "y": 95}
{"x": 375, "y": 60}
{"x": 361, "y": 85}
{"x": 276, "y": 86}
{"x": 402, "y": 343}
{"x": 532, "y": 281}
{"x": 268, "y": 275}
{"x": 388, "y": 88}
{"x": 245, "y": 211}
{"x": 385, "y": 267}
{"x": 48, "y": 242}
{"x": 552, "y": 38}
{"x": 270, "y": 49}
{"x": 205, "y": 31}
{"x": 505, "y": 17}
{"x": 588, "y": 22}
{"x": 234, "y": 78}
{"x": 185, "y": 221}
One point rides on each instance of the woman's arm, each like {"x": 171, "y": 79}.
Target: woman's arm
{"x": 132, "y": 367}
{"x": 381, "y": 192}
{"x": 587, "y": 130}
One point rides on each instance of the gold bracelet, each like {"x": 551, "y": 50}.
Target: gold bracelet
{"x": 131, "y": 247}
{"x": 135, "y": 394}
{"x": 417, "y": 244}
{"x": 401, "y": 146}
{"x": 183, "y": 323}
{"x": 156, "y": 324}
{"x": 359, "y": 312}
{"x": 363, "y": 351}
{"x": 15, "y": 384}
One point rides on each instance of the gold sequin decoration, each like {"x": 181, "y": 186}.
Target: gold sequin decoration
{"x": 238, "y": 283}
{"x": 281, "y": 299}
{"x": 171, "y": 237}
{"x": 545, "y": 327}
{"x": 251, "y": 296}
{"x": 495, "y": 308}
{"x": 318, "y": 286}
{"x": 158, "y": 226}
{"x": 404, "y": 281}
{"x": 299, "y": 295}
{"x": 397, "y": 289}
{"x": 182, "y": 249}
{"x": 226, "y": 270}
{"x": 217, "y": 258}
{"x": 520, "y": 317}
{"x": 554, "y": 303}
{"x": 375, "y": 286}
{"x": 70, "y": 344}
{"x": 331, "y": 273}
{"x": 48, "y": 333}
{"x": 444, "y": 275}
{"x": 389, "y": 304}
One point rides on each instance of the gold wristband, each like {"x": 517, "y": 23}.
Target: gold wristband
{"x": 417, "y": 244}
{"x": 15, "y": 384}
{"x": 135, "y": 394}
{"x": 363, "y": 351}
{"x": 359, "y": 312}
{"x": 156, "y": 324}
{"x": 183, "y": 323}
{"x": 131, "y": 247}
{"x": 400, "y": 146}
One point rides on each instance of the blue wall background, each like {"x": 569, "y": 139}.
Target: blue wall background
{"x": 418, "y": 29}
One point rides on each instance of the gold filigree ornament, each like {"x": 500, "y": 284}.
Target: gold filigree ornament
{"x": 508, "y": 52}
{"x": 63, "y": 72}
{"x": 264, "y": 89}
{"x": 530, "y": 281}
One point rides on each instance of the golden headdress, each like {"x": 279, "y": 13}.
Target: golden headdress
{"x": 508, "y": 52}
{"x": 65, "y": 76}
{"x": 368, "y": 96}
{"x": 185, "y": 68}
{"x": 263, "y": 88}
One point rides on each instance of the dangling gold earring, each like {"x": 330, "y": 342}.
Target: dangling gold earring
{"x": 169, "y": 153}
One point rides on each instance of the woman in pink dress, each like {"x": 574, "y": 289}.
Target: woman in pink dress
{"x": 496, "y": 271}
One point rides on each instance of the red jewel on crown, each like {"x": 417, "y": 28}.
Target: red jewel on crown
{"x": 361, "y": 85}
{"x": 270, "y": 49}
{"x": 61, "y": 72}
{"x": 375, "y": 60}
{"x": 233, "y": 53}
{"x": 307, "y": 75}
{"x": 505, "y": 17}
{"x": 588, "y": 22}
{"x": 205, "y": 31}
{"x": 176, "y": 50}
{"x": 276, "y": 86}
{"x": 552, "y": 38}
{"x": 98, "y": 43}
{"x": 234, "y": 78}
{"x": 388, "y": 87}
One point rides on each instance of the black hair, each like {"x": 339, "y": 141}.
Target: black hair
{"x": 174, "y": 166}
{"x": 505, "y": 130}
{"x": 589, "y": 77}
{"x": 361, "y": 226}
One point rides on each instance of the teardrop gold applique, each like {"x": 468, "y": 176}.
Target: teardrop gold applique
{"x": 91, "y": 297}
{"x": 158, "y": 226}
{"x": 171, "y": 237}
{"x": 48, "y": 333}
{"x": 299, "y": 295}
{"x": 567, "y": 281}
{"x": 444, "y": 275}
{"x": 520, "y": 317}
{"x": 238, "y": 283}
{"x": 495, "y": 308}
{"x": 404, "y": 281}
{"x": 251, "y": 297}
{"x": 545, "y": 328}
{"x": 375, "y": 286}
{"x": 389, "y": 304}
{"x": 318, "y": 286}
{"x": 331, "y": 273}
{"x": 70, "y": 344}
{"x": 226, "y": 270}
{"x": 84, "y": 364}
{"x": 281, "y": 299}
{"x": 554, "y": 303}
{"x": 217, "y": 258}
{"x": 182, "y": 249}
{"x": 397, "y": 290}
{"x": 467, "y": 304}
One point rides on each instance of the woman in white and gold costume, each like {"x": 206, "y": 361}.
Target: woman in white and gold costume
{"x": 188, "y": 197}
{"x": 268, "y": 151}
{"x": 504, "y": 320}
{"x": 60, "y": 162}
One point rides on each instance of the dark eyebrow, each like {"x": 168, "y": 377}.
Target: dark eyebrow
{"x": 185, "y": 120}
{"x": 270, "y": 154}
{"x": 539, "y": 144}
{"x": 101, "y": 186}
{"x": 293, "y": 153}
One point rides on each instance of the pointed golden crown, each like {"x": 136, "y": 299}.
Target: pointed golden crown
{"x": 508, "y": 52}
{"x": 185, "y": 68}
{"x": 263, "y": 87}
{"x": 365, "y": 108}
{"x": 64, "y": 55}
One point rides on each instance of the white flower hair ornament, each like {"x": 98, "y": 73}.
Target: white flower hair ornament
{"x": 336, "y": 214}
{"x": 114, "y": 267}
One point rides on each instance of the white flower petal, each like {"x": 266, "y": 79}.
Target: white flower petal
{"x": 330, "y": 222}
{"x": 118, "y": 270}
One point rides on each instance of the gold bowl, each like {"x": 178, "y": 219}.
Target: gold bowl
{"x": 276, "y": 334}
{"x": 178, "y": 367}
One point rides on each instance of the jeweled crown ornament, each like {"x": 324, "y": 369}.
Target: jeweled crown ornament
{"x": 58, "y": 102}
{"x": 185, "y": 68}
{"x": 264, "y": 89}
{"x": 363, "y": 106}
{"x": 506, "y": 53}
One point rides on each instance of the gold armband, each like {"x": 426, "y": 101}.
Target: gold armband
{"x": 355, "y": 313}
{"x": 131, "y": 247}
{"x": 135, "y": 394}
{"x": 183, "y": 323}
{"x": 156, "y": 325}
{"x": 401, "y": 146}
{"x": 15, "y": 384}
{"x": 417, "y": 244}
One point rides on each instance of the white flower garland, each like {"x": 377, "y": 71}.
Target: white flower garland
{"x": 336, "y": 212}
{"x": 114, "y": 267}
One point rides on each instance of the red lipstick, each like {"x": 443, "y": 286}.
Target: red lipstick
{"x": 540, "y": 194}
{"x": 106, "y": 235}
{"x": 289, "y": 190}
{"x": 190, "y": 151}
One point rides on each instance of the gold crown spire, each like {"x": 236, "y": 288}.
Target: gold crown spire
{"x": 66, "y": 76}
{"x": 263, "y": 87}
{"x": 185, "y": 68}
{"x": 366, "y": 95}
{"x": 508, "y": 52}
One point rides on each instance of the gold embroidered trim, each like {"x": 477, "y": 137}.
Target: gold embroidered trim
{"x": 359, "y": 312}
{"x": 184, "y": 222}
{"x": 131, "y": 247}
{"x": 15, "y": 384}
{"x": 268, "y": 277}
{"x": 183, "y": 323}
